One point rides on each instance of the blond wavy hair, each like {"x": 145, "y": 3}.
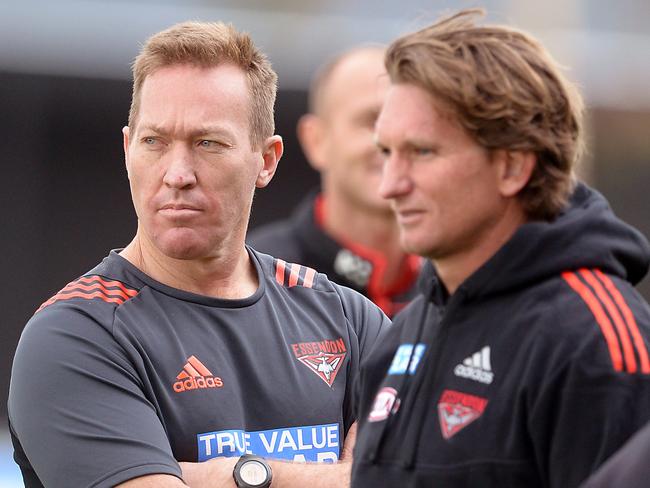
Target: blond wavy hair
{"x": 506, "y": 90}
{"x": 210, "y": 44}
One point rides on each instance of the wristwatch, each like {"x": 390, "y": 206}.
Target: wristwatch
{"x": 252, "y": 472}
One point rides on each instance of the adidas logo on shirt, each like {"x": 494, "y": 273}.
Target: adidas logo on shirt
{"x": 476, "y": 367}
{"x": 195, "y": 376}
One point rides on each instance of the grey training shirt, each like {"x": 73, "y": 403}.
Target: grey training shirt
{"x": 118, "y": 376}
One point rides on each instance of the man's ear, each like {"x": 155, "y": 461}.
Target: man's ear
{"x": 311, "y": 134}
{"x": 515, "y": 170}
{"x": 271, "y": 154}
{"x": 125, "y": 136}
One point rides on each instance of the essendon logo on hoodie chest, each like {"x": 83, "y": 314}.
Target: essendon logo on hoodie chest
{"x": 456, "y": 410}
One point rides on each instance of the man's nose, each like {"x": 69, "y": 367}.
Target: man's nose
{"x": 180, "y": 172}
{"x": 396, "y": 180}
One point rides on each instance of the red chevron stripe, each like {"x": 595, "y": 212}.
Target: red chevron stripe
{"x": 98, "y": 288}
{"x": 279, "y": 271}
{"x": 95, "y": 286}
{"x": 628, "y": 350}
{"x": 45, "y": 304}
{"x": 308, "y": 282}
{"x": 629, "y": 319}
{"x": 598, "y": 312}
{"x": 295, "y": 273}
{"x": 87, "y": 296}
{"x": 95, "y": 278}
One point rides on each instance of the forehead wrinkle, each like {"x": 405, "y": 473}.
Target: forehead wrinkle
{"x": 199, "y": 131}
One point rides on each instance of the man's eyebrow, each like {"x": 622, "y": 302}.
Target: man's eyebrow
{"x": 211, "y": 129}
{"x": 152, "y": 128}
{"x": 200, "y": 131}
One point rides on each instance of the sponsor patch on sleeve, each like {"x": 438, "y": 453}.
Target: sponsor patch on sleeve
{"x": 407, "y": 358}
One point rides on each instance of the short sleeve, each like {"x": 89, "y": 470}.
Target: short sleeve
{"x": 367, "y": 320}
{"x": 77, "y": 408}
{"x": 367, "y": 324}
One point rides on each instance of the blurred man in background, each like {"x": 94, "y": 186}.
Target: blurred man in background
{"x": 524, "y": 362}
{"x": 187, "y": 359}
{"x": 346, "y": 231}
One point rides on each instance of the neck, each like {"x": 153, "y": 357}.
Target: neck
{"x": 373, "y": 229}
{"x": 229, "y": 275}
{"x": 454, "y": 268}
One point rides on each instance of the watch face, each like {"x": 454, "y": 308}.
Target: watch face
{"x": 253, "y": 473}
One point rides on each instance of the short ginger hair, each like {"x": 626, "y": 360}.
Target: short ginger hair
{"x": 210, "y": 44}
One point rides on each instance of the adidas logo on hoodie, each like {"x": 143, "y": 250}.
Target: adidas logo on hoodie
{"x": 476, "y": 367}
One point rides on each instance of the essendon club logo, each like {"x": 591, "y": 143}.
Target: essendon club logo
{"x": 386, "y": 403}
{"x": 324, "y": 358}
{"x": 457, "y": 410}
{"x": 195, "y": 376}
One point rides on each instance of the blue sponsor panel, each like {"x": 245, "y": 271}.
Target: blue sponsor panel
{"x": 314, "y": 443}
{"x": 406, "y": 358}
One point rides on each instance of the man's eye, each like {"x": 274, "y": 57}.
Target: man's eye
{"x": 384, "y": 151}
{"x": 149, "y": 141}
{"x": 208, "y": 144}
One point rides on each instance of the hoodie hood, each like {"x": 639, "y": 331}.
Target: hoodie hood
{"x": 587, "y": 234}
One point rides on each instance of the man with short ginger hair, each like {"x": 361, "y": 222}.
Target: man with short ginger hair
{"x": 187, "y": 358}
{"x": 524, "y": 362}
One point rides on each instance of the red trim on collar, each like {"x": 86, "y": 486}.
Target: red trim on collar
{"x": 319, "y": 211}
{"x": 380, "y": 295}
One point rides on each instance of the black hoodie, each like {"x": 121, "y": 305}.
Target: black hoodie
{"x": 531, "y": 374}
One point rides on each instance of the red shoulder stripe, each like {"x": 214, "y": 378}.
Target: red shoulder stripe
{"x": 308, "y": 281}
{"x": 91, "y": 287}
{"x": 280, "y": 266}
{"x": 600, "y": 315}
{"x": 295, "y": 273}
{"x": 97, "y": 279}
{"x": 76, "y": 286}
{"x": 88, "y": 296}
{"x": 641, "y": 348}
{"x": 628, "y": 350}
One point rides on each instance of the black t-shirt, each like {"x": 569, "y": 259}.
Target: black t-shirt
{"x": 118, "y": 376}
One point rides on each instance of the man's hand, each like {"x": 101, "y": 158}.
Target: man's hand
{"x": 215, "y": 472}
{"x": 348, "y": 447}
